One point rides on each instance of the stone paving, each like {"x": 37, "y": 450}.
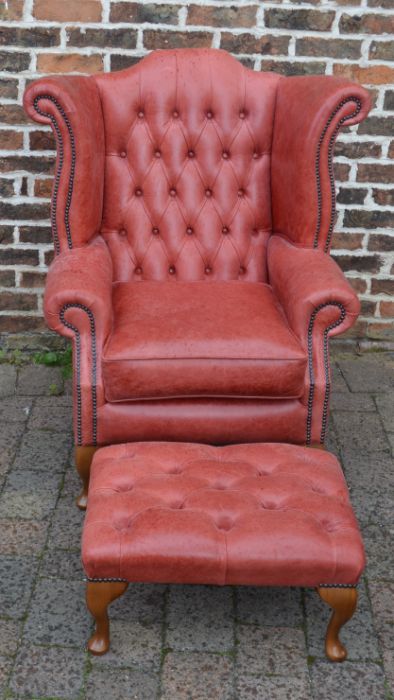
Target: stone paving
{"x": 183, "y": 642}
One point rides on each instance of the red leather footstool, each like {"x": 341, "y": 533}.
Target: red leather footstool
{"x": 259, "y": 514}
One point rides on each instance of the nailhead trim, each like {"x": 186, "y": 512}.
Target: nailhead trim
{"x": 78, "y": 368}
{"x": 59, "y": 170}
{"x": 338, "y": 585}
{"x": 105, "y": 580}
{"x": 342, "y": 121}
{"x": 326, "y": 369}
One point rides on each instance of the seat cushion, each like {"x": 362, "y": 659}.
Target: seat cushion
{"x": 262, "y": 514}
{"x": 180, "y": 339}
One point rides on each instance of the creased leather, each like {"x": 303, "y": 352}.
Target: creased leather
{"x": 264, "y": 514}
{"x": 185, "y": 164}
{"x": 304, "y": 280}
{"x": 82, "y": 278}
{"x": 198, "y": 339}
{"x": 304, "y": 107}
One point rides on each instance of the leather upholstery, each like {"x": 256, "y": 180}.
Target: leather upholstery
{"x": 217, "y": 339}
{"x": 258, "y": 514}
{"x": 183, "y": 167}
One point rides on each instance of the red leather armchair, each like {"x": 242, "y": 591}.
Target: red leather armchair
{"x": 192, "y": 211}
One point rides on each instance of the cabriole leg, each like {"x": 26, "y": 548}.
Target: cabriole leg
{"x": 343, "y": 601}
{"x": 83, "y": 460}
{"x": 99, "y": 595}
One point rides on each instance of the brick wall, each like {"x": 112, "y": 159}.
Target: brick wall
{"x": 349, "y": 38}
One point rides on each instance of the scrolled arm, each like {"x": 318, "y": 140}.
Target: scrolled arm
{"x": 78, "y": 305}
{"x": 71, "y": 106}
{"x": 309, "y": 112}
{"x": 318, "y": 302}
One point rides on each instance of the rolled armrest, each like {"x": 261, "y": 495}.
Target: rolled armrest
{"x": 307, "y": 283}
{"x": 309, "y": 112}
{"x": 71, "y": 105}
{"x": 80, "y": 279}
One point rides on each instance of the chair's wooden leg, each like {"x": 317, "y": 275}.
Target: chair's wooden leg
{"x": 83, "y": 460}
{"x": 343, "y": 601}
{"x": 99, "y": 595}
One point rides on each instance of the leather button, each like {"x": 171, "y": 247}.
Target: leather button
{"x": 138, "y": 270}
{"x": 208, "y": 270}
{"x": 175, "y": 114}
{"x": 255, "y": 232}
{"x": 242, "y": 114}
{"x": 189, "y": 231}
{"x": 225, "y": 155}
{"x": 123, "y": 154}
{"x": 242, "y": 270}
{"x": 138, "y": 192}
{"x": 256, "y": 155}
{"x": 140, "y": 114}
{"x": 157, "y": 154}
{"x": 171, "y": 270}
{"x": 155, "y": 231}
{"x": 172, "y": 192}
{"x": 191, "y": 154}
{"x": 209, "y": 115}
{"x": 123, "y": 232}
{"x": 208, "y": 192}
{"x": 225, "y": 230}
{"x": 241, "y": 192}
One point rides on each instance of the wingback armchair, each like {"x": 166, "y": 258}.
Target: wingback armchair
{"x": 192, "y": 211}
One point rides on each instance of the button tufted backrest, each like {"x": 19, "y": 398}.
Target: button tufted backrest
{"x": 187, "y": 170}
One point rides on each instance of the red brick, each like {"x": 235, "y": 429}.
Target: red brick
{"x": 6, "y": 234}
{"x": 43, "y": 187}
{"x": 12, "y": 10}
{"x": 24, "y": 210}
{"x": 10, "y": 301}
{"x": 381, "y": 242}
{"x": 381, "y": 50}
{"x": 11, "y": 140}
{"x": 372, "y": 75}
{"x": 44, "y": 164}
{"x": 375, "y": 172}
{"x": 35, "y": 234}
{"x": 120, "y": 61}
{"x": 15, "y": 324}
{"x": 222, "y": 16}
{"x": 176, "y": 40}
{"x": 334, "y": 48}
{"x": 359, "y": 285}
{"x": 382, "y": 286}
{"x": 8, "y": 88}
{"x": 358, "y": 149}
{"x": 7, "y": 278}
{"x": 347, "y": 241}
{"x": 19, "y": 256}
{"x": 6, "y": 187}
{"x": 366, "y": 23}
{"x": 387, "y": 309}
{"x": 299, "y": 19}
{"x": 368, "y": 219}
{"x": 42, "y": 141}
{"x": 13, "y": 114}
{"x": 33, "y": 36}
{"x": 341, "y": 171}
{"x": 33, "y": 279}
{"x": 380, "y": 331}
{"x": 68, "y": 10}
{"x": 69, "y": 63}
{"x": 124, "y": 38}
{"x": 14, "y": 61}
{"x": 359, "y": 263}
{"x": 383, "y": 197}
{"x": 139, "y": 12}
{"x": 294, "y": 67}
{"x": 248, "y": 43}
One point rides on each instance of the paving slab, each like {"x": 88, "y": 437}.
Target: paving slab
{"x": 10, "y": 438}
{"x": 200, "y": 618}
{"x": 274, "y": 688}
{"x": 7, "y": 380}
{"x": 270, "y": 650}
{"x": 379, "y": 547}
{"x": 17, "y": 575}
{"x": 10, "y": 634}
{"x": 279, "y": 607}
{"x": 29, "y": 494}
{"x": 39, "y": 380}
{"x": 360, "y": 433}
{"x": 51, "y": 414}
{"x": 66, "y": 527}
{"x": 62, "y": 564}
{"x": 44, "y": 451}
{"x": 197, "y": 676}
{"x": 58, "y": 614}
{"x": 15, "y": 410}
{"x": 22, "y": 536}
{"x": 107, "y": 684}
{"x": 382, "y": 598}
{"x": 368, "y": 373}
{"x": 348, "y": 681}
{"x": 48, "y": 672}
{"x": 5, "y": 668}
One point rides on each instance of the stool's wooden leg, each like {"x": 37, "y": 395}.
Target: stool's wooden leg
{"x": 83, "y": 460}
{"x": 99, "y": 595}
{"x": 343, "y": 601}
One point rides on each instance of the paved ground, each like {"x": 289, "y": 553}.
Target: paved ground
{"x": 179, "y": 642}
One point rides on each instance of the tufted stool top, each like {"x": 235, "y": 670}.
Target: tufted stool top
{"x": 259, "y": 514}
